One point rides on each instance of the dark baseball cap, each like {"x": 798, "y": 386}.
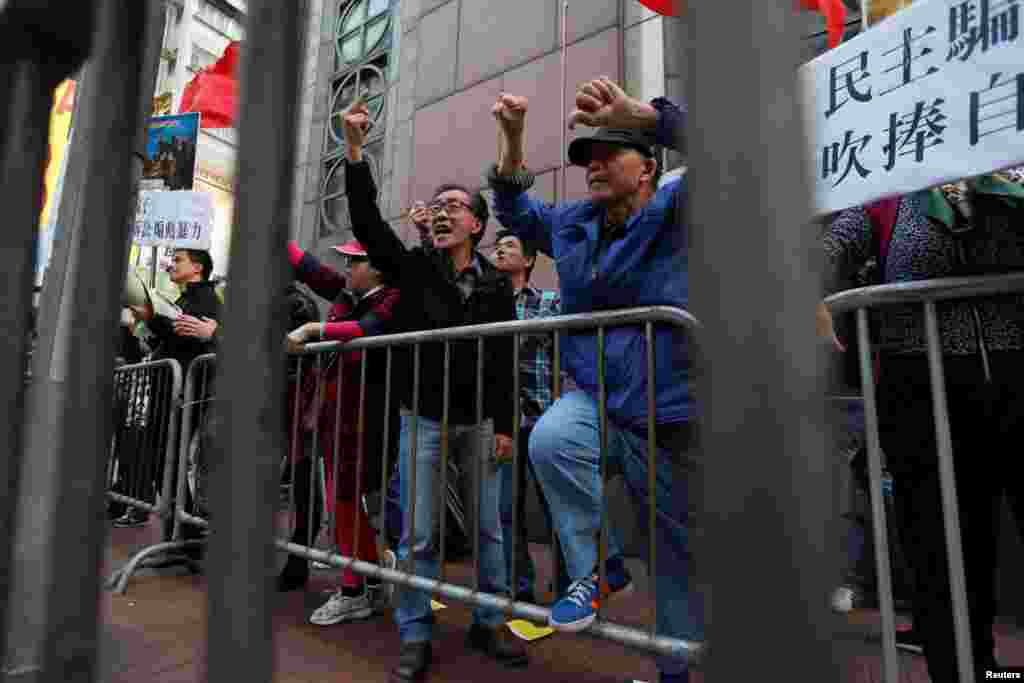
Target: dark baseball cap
{"x": 641, "y": 141}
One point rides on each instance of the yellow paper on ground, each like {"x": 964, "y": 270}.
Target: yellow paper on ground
{"x": 435, "y": 605}
{"x": 527, "y": 630}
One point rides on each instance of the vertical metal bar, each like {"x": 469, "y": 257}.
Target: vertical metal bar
{"x": 314, "y": 454}
{"x": 890, "y": 661}
{"x": 170, "y": 450}
{"x": 445, "y": 445}
{"x": 360, "y": 448}
{"x": 240, "y": 634}
{"x": 602, "y": 412}
{"x": 652, "y": 475}
{"x": 950, "y": 510}
{"x": 387, "y": 444}
{"x": 556, "y": 371}
{"x": 155, "y": 427}
{"x": 24, "y": 144}
{"x": 513, "y": 579}
{"x": 187, "y": 412}
{"x": 740, "y": 140}
{"x": 410, "y": 523}
{"x": 335, "y": 461}
{"x": 110, "y": 122}
{"x": 293, "y": 451}
{"x": 478, "y": 466}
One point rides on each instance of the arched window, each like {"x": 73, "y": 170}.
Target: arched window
{"x": 362, "y": 28}
{"x": 362, "y": 45}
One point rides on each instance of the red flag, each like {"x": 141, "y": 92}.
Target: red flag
{"x": 666, "y": 7}
{"x": 835, "y": 17}
{"x": 213, "y": 92}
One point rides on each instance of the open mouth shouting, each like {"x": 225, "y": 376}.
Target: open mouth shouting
{"x": 442, "y": 230}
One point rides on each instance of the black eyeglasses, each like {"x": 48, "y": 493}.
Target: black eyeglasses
{"x": 449, "y": 206}
{"x": 352, "y": 260}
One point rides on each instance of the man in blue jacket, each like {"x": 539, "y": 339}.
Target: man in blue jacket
{"x": 620, "y": 248}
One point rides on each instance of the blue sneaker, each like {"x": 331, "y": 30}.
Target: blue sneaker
{"x": 576, "y": 611}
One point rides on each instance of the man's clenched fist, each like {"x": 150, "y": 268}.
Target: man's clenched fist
{"x": 510, "y": 111}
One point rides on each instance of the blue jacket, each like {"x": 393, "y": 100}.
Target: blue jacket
{"x": 647, "y": 265}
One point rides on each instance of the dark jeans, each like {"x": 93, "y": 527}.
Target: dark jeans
{"x": 987, "y": 426}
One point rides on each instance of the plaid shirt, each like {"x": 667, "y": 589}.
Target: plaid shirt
{"x": 535, "y": 364}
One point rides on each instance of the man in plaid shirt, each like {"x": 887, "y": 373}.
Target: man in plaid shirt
{"x": 517, "y": 259}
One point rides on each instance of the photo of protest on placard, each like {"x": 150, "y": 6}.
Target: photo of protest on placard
{"x": 171, "y": 152}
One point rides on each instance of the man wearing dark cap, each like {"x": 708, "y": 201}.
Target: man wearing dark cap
{"x": 619, "y": 248}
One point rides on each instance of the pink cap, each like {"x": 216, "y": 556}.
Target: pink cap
{"x": 353, "y": 248}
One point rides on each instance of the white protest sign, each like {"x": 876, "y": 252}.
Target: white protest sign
{"x": 932, "y": 94}
{"x": 181, "y": 219}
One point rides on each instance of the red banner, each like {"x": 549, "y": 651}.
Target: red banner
{"x": 834, "y": 12}
{"x": 666, "y": 7}
{"x": 213, "y": 92}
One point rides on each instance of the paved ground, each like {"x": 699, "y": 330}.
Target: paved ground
{"x": 156, "y": 633}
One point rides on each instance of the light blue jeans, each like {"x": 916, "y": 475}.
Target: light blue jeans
{"x": 469, "y": 445}
{"x": 565, "y": 450}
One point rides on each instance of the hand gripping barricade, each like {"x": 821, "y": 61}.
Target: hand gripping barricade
{"x": 198, "y": 396}
{"x": 926, "y": 293}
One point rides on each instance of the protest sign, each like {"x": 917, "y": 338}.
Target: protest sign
{"x": 181, "y": 220}
{"x": 932, "y": 94}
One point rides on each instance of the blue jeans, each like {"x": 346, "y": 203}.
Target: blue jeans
{"x": 469, "y": 445}
{"x": 565, "y": 451}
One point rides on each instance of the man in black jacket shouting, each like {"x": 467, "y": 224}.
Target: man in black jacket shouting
{"x": 448, "y": 285}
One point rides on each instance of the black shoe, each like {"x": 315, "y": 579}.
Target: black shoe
{"x": 413, "y": 662}
{"x": 132, "y": 519}
{"x": 499, "y": 643}
{"x": 294, "y": 575}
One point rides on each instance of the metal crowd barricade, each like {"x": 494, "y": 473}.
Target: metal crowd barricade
{"x": 140, "y": 471}
{"x": 647, "y": 318}
{"x": 926, "y": 293}
{"x": 184, "y": 484}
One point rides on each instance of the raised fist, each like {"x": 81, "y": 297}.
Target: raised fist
{"x": 602, "y": 103}
{"x": 510, "y": 111}
{"x": 356, "y": 123}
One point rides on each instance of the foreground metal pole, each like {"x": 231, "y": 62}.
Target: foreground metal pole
{"x": 21, "y": 171}
{"x": 763, "y": 479}
{"x": 110, "y": 123}
{"x": 30, "y": 67}
{"x": 950, "y": 509}
{"x": 244, "y": 476}
{"x": 890, "y": 662}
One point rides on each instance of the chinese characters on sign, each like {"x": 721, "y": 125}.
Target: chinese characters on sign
{"x": 933, "y": 94}
{"x": 182, "y": 220}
